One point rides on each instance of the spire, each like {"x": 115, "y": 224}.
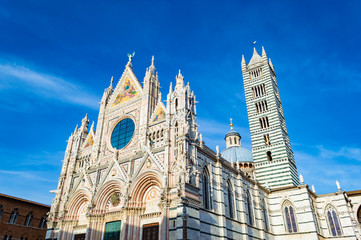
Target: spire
{"x": 152, "y": 67}
{"x": 179, "y": 80}
{"x": 180, "y": 74}
{"x": 243, "y": 60}
{"x": 170, "y": 87}
{"x": 313, "y": 189}
{"x": 85, "y": 120}
{"x": 76, "y": 129}
{"x": 256, "y": 58}
{"x": 111, "y": 83}
{"x": 271, "y": 65}
{"x": 92, "y": 126}
{"x": 264, "y": 54}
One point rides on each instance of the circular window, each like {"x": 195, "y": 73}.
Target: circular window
{"x": 122, "y": 133}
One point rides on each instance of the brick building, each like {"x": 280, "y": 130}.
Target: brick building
{"x": 22, "y": 219}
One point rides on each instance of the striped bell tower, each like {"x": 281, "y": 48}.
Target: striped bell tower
{"x": 272, "y": 154}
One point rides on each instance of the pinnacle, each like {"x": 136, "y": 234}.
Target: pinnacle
{"x": 264, "y": 54}
{"x": 152, "y": 61}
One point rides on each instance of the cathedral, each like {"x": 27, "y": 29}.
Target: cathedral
{"x": 144, "y": 172}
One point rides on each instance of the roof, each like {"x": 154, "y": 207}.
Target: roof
{"x": 237, "y": 153}
{"x": 23, "y": 200}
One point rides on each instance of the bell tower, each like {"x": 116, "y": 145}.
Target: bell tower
{"x": 272, "y": 154}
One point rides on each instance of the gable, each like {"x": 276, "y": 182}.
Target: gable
{"x": 89, "y": 142}
{"x": 127, "y": 92}
{"x": 158, "y": 115}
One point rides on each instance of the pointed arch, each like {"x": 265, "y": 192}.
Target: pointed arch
{"x": 265, "y": 214}
{"x": 358, "y": 214}
{"x": 28, "y": 219}
{"x": 333, "y": 220}
{"x": 230, "y": 198}
{"x": 14, "y": 216}
{"x": 1, "y": 211}
{"x": 289, "y": 216}
{"x": 206, "y": 189}
{"x": 249, "y": 207}
{"x": 43, "y": 222}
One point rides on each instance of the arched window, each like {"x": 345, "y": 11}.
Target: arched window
{"x": 333, "y": 221}
{"x": 14, "y": 216}
{"x": 206, "y": 190}
{"x": 289, "y": 215}
{"x": 264, "y": 214}
{"x": 1, "y": 211}
{"x": 230, "y": 199}
{"x": 359, "y": 215}
{"x": 43, "y": 222}
{"x": 28, "y": 219}
{"x": 249, "y": 209}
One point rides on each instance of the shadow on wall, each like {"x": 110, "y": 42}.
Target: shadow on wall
{"x": 116, "y": 230}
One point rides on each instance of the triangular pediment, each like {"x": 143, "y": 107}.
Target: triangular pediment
{"x": 89, "y": 141}
{"x": 158, "y": 114}
{"x": 127, "y": 89}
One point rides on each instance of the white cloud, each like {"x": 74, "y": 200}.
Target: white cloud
{"x": 29, "y": 175}
{"x": 346, "y": 152}
{"x": 323, "y": 168}
{"x": 45, "y": 85}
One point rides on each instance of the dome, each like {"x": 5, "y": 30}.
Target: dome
{"x": 237, "y": 153}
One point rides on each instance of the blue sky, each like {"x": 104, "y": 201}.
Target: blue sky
{"x": 56, "y": 58}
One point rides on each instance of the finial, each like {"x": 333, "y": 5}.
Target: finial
{"x": 153, "y": 61}
{"x": 76, "y": 129}
{"x": 92, "y": 126}
{"x": 111, "y": 83}
{"x": 232, "y": 161}
{"x": 85, "y": 119}
{"x": 313, "y": 189}
{"x": 301, "y": 179}
{"x": 170, "y": 87}
{"x": 231, "y": 124}
{"x": 217, "y": 149}
{"x": 237, "y": 162}
{"x": 130, "y": 56}
{"x": 179, "y": 74}
{"x": 267, "y": 186}
{"x": 338, "y": 186}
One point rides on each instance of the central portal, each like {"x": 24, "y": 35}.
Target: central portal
{"x": 150, "y": 231}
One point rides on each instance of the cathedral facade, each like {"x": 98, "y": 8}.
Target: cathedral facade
{"x": 145, "y": 173}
